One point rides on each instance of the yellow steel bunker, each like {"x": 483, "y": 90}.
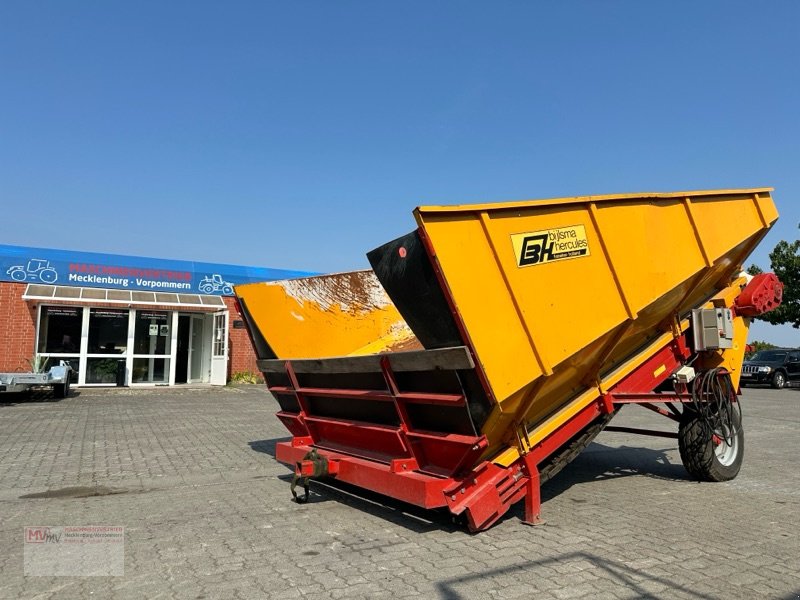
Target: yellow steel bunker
{"x": 490, "y": 345}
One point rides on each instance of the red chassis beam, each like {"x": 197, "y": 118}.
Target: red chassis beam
{"x": 391, "y": 480}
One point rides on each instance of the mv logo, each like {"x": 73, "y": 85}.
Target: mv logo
{"x": 42, "y": 535}
{"x": 537, "y": 247}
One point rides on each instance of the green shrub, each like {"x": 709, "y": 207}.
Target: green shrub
{"x": 245, "y": 377}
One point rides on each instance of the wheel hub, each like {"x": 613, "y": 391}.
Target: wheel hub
{"x": 726, "y": 452}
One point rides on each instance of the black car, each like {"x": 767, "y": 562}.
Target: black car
{"x": 776, "y": 367}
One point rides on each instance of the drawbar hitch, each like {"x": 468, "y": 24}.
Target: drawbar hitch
{"x": 313, "y": 466}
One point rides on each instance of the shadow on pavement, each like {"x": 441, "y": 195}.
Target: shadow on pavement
{"x": 632, "y": 580}
{"x": 43, "y": 395}
{"x": 597, "y": 463}
{"x": 267, "y": 446}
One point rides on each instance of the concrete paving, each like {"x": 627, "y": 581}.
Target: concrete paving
{"x": 207, "y": 514}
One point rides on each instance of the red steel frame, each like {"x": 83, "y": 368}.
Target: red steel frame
{"x": 431, "y": 469}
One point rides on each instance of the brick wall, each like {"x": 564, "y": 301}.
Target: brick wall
{"x": 17, "y": 328}
{"x": 242, "y": 356}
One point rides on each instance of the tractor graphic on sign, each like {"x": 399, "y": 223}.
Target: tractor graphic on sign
{"x": 37, "y": 269}
{"x": 215, "y": 283}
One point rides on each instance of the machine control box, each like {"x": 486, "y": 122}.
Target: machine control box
{"x": 713, "y": 328}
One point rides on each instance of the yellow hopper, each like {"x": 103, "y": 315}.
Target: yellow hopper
{"x": 538, "y": 319}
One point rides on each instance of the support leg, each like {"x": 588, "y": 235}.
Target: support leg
{"x": 533, "y": 499}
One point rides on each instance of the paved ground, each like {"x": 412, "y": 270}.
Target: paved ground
{"x": 207, "y": 513}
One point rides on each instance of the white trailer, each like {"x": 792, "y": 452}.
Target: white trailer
{"x": 57, "y": 378}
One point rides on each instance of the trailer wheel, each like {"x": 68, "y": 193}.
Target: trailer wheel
{"x": 704, "y": 450}
{"x": 61, "y": 390}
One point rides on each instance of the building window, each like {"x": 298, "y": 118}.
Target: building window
{"x": 60, "y": 330}
{"x": 219, "y": 335}
{"x": 108, "y": 331}
{"x": 152, "y": 332}
{"x": 59, "y": 337}
{"x": 104, "y": 370}
{"x": 150, "y": 370}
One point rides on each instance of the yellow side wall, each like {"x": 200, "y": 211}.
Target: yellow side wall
{"x": 326, "y": 316}
{"x": 544, "y": 332}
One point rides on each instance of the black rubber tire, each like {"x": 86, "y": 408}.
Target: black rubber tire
{"x": 778, "y": 380}
{"x": 697, "y": 448}
{"x": 61, "y": 390}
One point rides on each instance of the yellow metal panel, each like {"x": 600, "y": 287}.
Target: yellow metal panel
{"x": 328, "y": 315}
{"x": 652, "y": 247}
{"x": 512, "y": 314}
{"x": 724, "y": 223}
{"x": 546, "y": 291}
{"x": 766, "y": 207}
{"x": 505, "y": 349}
{"x": 591, "y": 394}
{"x": 568, "y": 315}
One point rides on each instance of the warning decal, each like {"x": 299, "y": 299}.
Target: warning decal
{"x": 539, "y": 247}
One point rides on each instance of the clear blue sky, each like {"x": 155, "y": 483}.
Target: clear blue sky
{"x": 302, "y": 134}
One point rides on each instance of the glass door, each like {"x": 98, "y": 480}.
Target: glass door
{"x": 107, "y": 346}
{"x": 198, "y": 369}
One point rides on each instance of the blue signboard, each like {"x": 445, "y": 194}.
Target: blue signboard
{"x": 91, "y": 269}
